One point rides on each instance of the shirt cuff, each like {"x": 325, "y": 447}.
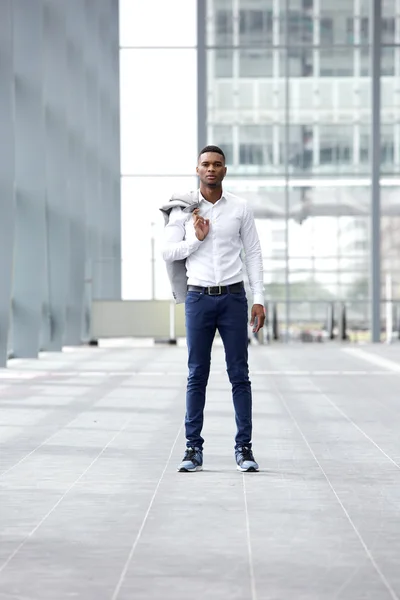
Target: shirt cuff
{"x": 258, "y": 299}
{"x": 194, "y": 245}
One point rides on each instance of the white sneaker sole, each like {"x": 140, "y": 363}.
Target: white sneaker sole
{"x": 250, "y": 470}
{"x": 200, "y": 468}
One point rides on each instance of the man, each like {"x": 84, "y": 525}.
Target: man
{"x": 211, "y": 240}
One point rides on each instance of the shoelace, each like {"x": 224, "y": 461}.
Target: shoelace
{"x": 247, "y": 453}
{"x": 190, "y": 454}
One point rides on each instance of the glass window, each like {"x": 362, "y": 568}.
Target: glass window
{"x": 255, "y": 27}
{"x": 223, "y": 62}
{"x": 326, "y": 31}
{"x": 223, "y": 95}
{"x": 224, "y": 28}
{"x": 388, "y": 30}
{"x": 253, "y": 154}
{"x": 336, "y": 146}
{"x": 255, "y": 62}
{"x": 300, "y": 148}
{"x": 365, "y": 6}
{"x": 365, "y": 68}
{"x": 300, "y": 63}
{"x": 222, "y": 136}
{"x": 364, "y": 30}
{"x": 388, "y": 62}
{"x": 300, "y": 28}
{"x": 337, "y": 62}
{"x": 387, "y": 148}
{"x": 364, "y": 145}
{"x": 255, "y": 145}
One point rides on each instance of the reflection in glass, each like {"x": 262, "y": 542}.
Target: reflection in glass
{"x": 388, "y": 62}
{"x": 223, "y": 62}
{"x": 255, "y": 27}
{"x": 255, "y": 62}
{"x": 310, "y": 133}
{"x": 296, "y": 27}
{"x": 222, "y": 136}
{"x": 337, "y": 62}
{"x": 255, "y": 145}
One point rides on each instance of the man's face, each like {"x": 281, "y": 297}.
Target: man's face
{"x": 211, "y": 169}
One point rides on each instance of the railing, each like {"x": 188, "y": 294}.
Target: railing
{"x": 309, "y": 321}
{"x": 321, "y": 320}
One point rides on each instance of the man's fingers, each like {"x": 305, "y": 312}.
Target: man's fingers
{"x": 261, "y": 321}
{"x": 257, "y": 318}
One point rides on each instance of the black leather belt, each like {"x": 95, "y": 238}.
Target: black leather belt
{"x": 217, "y": 290}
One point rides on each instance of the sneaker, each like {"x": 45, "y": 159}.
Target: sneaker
{"x": 192, "y": 461}
{"x": 245, "y": 460}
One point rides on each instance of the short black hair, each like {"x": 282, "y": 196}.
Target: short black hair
{"x": 215, "y": 149}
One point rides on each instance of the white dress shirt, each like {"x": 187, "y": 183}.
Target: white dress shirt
{"x": 216, "y": 260}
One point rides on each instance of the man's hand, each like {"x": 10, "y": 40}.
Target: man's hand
{"x": 257, "y": 317}
{"x": 201, "y": 226}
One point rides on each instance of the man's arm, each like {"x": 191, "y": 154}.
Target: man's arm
{"x": 175, "y": 247}
{"x": 253, "y": 256}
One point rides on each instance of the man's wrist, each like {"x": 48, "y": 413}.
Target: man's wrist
{"x": 258, "y": 299}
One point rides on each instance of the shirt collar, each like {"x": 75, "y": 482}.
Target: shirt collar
{"x": 202, "y": 199}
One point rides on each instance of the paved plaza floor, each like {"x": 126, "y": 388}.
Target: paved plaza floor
{"x": 92, "y": 507}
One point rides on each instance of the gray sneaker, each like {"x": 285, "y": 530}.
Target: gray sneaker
{"x": 192, "y": 461}
{"x": 245, "y": 460}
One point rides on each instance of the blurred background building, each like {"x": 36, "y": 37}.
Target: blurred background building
{"x": 104, "y": 107}
{"x": 285, "y": 89}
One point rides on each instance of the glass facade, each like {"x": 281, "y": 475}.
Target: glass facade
{"x": 287, "y": 95}
{"x": 289, "y": 100}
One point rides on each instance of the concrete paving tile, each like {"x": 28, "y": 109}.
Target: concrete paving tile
{"x": 321, "y": 518}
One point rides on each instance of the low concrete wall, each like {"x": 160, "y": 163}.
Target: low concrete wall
{"x": 159, "y": 319}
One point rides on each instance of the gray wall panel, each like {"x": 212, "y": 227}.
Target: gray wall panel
{"x": 6, "y": 173}
{"x": 30, "y": 245}
{"x": 57, "y": 232}
{"x": 76, "y": 39}
{"x": 67, "y": 244}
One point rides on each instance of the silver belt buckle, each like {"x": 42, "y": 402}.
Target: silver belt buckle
{"x": 216, "y": 293}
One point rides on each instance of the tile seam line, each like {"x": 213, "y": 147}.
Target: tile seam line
{"x": 369, "y": 554}
{"x": 350, "y": 420}
{"x": 144, "y": 521}
{"x": 60, "y": 500}
{"x": 253, "y": 586}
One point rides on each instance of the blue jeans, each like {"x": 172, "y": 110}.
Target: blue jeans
{"x": 205, "y": 315}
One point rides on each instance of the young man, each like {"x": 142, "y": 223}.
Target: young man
{"x": 211, "y": 240}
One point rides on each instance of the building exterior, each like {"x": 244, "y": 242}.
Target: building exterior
{"x": 285, "y": 87}
{"x": 60, "y": 225}
{"x": 289, "y": 100}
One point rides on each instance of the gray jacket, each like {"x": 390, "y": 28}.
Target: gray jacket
{"x": 177, "y": 269}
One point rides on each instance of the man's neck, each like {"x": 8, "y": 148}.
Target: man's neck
{"x": 211, "y": 194}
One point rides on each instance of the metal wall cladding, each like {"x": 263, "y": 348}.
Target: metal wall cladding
{"x": 60, "y": 240}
